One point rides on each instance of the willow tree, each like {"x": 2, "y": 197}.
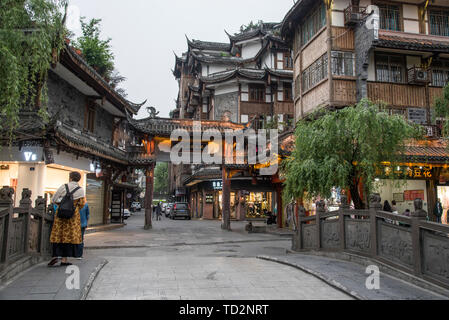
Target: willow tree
{"x": 442, "y": 110}
{"x": 31, "y": 37}
{"x": 344, "y": 148}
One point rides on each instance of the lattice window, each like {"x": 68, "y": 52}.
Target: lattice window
{"x": 440, "y": 73}
{"x": 315, "y": 21}
{"x": 256, "y": 93}
{"x": 390, "y": 68}
{"x": 439, "y": 22}
{"x": 342, "y": 63}
{"x": 315, "y": 73}
{"x": 390, "y": 17}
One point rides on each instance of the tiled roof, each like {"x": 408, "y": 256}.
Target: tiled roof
{"x": 206, "y": 45}
{"x": 412, "y": 41}
{"x": 432, "y": 151}
{"x": 165, "y": 127}
{"x": 78, "y": 139}
{"x": 253, "y": 74}
{"x": 264, "y": 29}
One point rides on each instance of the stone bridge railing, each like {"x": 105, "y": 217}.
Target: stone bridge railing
{"x": 410, "y": 244}
{"x": 23, "y": 230}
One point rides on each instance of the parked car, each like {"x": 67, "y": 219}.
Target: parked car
{"x": 180, "y": 210}
{"x": 164, "y": 206}
{"x": 126, "y": 214}
{"x": 136, "y": 206}
{"x": 168, "y": 209}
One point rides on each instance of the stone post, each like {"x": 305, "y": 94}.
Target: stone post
{"x": 418, "y": 216}
{"x": 320, "y": 210}
{"x": 39, "y": 206}
{"x": 344, "y": 206}
{"x": 149, "y": 197}
{"x": 25, "y": 205}
{"x": 374, "y": 206}
{"x": 6, "y": 203}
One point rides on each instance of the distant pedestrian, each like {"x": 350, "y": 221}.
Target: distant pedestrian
{"x": 394, "y": 208}
{"x": 387, "y": 207}
{"x": 407, "y": 213}
{"x": 84, "y": 215}
{"x": 158, "y": 212}
{"x": 66, "y": 232}
{"x": 438, "y": 210}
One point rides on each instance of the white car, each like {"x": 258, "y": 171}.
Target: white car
{"x": 126, "y": 214}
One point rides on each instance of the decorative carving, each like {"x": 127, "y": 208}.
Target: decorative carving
{"x": 6, "y": 194}
{"x": 152, "y": 112}
{"x": 309, "y": 236}
{"x": 344, "y": 201}
{"x": 320, "y": 206}
{"x": 419, "y": 212}
{"x": 395, "y": 244}
{"x": 375, "y": 201}
{"x": 40, "y": 203}
{"x": 436, "y": 255}
{"x": 330, "y": 234}
{"x": 358, "y": 235}
{"x": 26, "y": 198}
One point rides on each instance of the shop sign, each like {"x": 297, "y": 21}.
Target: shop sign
{"x": 26, "y": 154}
{"x": 217, "y": 185}
{"x": 411, "y": 195}
{"x": 209, "y": 198}
{"x": 409, "y": 172}
{"x": 398, "y": 197}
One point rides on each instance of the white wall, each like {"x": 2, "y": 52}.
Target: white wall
{"x": 228, "y": 88}
{"x": 31, "y": 179}
{"x": 250, "y": 49}
{"x": 386, "y": 188}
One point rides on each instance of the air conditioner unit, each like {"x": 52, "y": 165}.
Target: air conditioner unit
{"x": 418, "y": 76}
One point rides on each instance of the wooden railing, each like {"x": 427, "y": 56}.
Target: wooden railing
{"x": 410, "y": 244}
{"x": 23, "y": 230}
{"x": 396, "y": 94}
{"x": 342, "y": 38}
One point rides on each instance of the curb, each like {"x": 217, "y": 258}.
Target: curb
{"x": 333, "y": 283}
{"x": 92, "y": 277}
{"x": 92, "y": 230}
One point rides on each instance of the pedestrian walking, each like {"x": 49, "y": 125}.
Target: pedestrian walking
{"x": 438, "y": 210}
{"x": 66, "y": 232}
{"x": 394, "y": 208}
{"x": 158, "y": 212}
{"x": 84, "y": 215}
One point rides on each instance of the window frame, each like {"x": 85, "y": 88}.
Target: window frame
{"x": 444, "y": 67}
{"x": 287, "y": 88}
{"x": 343, "y": 59}
{"x": 287, "y": 56}
{"x": 400, "y": 12}
{"x": 90, "y": 117}
{"x": 312, "y": 76}
{"x": 255, "y": 87}
{"x": 390, "y": 55}
{"x": 308, "y": 28}
{"x": 436, "y": 9}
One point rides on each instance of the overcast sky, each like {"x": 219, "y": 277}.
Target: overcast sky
{"x": 146, "y": 32}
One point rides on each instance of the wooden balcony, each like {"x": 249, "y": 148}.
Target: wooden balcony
{"x": 343, "y": 38}
{"x": 400, "y": 95}
{"x": 255, "y": 108}
{"x": 344, "y": 92}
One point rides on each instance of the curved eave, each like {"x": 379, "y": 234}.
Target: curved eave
{"x": 96, "y": 80}
{"x": 294, "y": 15}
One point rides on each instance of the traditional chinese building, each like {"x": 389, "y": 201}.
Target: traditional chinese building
{"x": 88, "y": 132}
{"x": 395, "y": 52}
{"x": 247, "y": 81}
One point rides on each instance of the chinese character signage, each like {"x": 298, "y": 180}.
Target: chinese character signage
{"x": 411, "y": 195}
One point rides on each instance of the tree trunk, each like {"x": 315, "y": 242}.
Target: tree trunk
{"x": 226, "y": 200}
{"x": 358, "y": 202}
{"x": 149, "y": 197}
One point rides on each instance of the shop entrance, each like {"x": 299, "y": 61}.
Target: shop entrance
{"x": 443, "y": 194}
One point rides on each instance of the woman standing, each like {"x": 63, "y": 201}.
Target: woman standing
{"x": 66, "y": 233}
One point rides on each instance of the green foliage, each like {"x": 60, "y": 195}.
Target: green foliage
{"x": 442, "y": 109}
{"x": 250, "y": 26}
{"x": 31, "y": 37}
{"x": 161, "y": 178}
{"x": 98, "y": 53}
{"x": 342, "y": 148}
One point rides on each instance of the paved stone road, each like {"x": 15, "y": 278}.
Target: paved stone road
{"x": 197, "y": 260}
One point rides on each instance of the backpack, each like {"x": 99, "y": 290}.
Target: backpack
{"x": 66, "y": 207}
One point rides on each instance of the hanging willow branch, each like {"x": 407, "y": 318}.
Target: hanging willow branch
{"x": 31, "y": 36}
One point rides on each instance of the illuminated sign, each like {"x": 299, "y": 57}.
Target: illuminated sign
{"x": 217, "y": 185}
{"x": 30, "y": 156}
